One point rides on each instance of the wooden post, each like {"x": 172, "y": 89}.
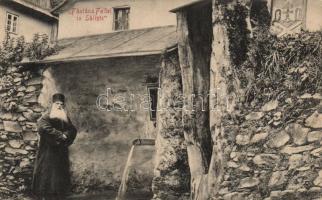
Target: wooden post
{"x": 195, "y": 121}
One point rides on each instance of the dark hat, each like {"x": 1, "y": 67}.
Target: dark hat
{"x": 58, "y": 97}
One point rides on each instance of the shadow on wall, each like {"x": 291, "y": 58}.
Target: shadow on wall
{"x": 99, "y": 153}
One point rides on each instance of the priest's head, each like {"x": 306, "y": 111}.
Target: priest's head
{"x": 57, "y": 110}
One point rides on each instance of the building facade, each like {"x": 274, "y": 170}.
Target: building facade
{"x": 26, "y": 18}
{"x": 79, "y": 18}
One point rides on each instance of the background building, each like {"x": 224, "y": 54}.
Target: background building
{"x": 26, "y": 18}
{"x": 79, "y": 18}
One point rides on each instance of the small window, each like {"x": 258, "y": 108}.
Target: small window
{"x": 12, "y": 21}
{"x": 153, "y": 94}
{"x": 121, "y": 18}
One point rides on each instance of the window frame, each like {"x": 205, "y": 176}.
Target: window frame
{"x": 11, "y": 23}
{"x": 128, "y": 17}
{"x": 156, "y": 87}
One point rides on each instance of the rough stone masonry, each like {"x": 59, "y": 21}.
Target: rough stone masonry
{"x": 18, "y": 129}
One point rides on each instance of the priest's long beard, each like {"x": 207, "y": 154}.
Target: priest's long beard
{"x": 56, "y": 113}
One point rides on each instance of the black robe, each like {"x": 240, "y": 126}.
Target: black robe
{"x": 51, "y": 172}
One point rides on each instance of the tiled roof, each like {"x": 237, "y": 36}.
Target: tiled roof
{"x": 140, "y": 42}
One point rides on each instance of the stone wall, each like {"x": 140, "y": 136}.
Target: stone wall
{"x": 18, "y": 131}
{"x": 171, "y": 173}
{"x": 266, "y": 121}
{"x": 275, "y": 156}
{"x": 265, "y": 109}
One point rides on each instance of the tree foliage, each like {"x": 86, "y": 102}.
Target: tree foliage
{"x": 13, "y": 51}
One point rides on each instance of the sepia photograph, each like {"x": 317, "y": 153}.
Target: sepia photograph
{"x": 160, "y": 99}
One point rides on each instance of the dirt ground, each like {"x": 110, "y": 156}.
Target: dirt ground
{"x": 110, "y": 196}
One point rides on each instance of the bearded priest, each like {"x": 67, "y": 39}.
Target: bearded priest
{"x": 51, "y": 177}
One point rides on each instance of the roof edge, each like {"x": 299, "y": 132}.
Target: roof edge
{"x": 36, "y": 8}
{"x": 178, "y": 9}
{"x": 59, "y": 6}
{"x": 88, "y": 58}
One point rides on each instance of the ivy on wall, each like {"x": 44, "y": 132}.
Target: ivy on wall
{"x": 14, "y": 50}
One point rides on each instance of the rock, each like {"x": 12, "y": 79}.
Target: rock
{"x": 30, "y": 136}
{"x": 16, "y": 80}
{"x": 31, "y": 89}
{"x": 31, "y": 116}
{"x": 38, "y": 109}
{"x": 20, "y": 94}
{"x": 266, "y": 159}
{"x": 277, "y": 179}
{"x": 295, "y": 161}
{"x": 259, "y": 137}
{"x": 233, "y": 154}
{"x": 283, "y": 195}
{"x": 31, "y": 99}
{"x": 305, "y": 168}
{"x": 278, "y": 140}
{"x": 317, "y": 96}
{"x": 34, "y": 81}
{"x": 1, "y": 127}
{"x": 289, "y": 101}
{"x": 12, "y": 126}
{"x": 21, "y": 119}
{"x": 2, "y": 145}
{"x": 317, "y": 152}
{"x": 15, "y": 144}
{"x": 21, "y": 89}
{"x": 232, "y": 164}
{"x": 272, "y": 105}
{"x": 314, "y": 136}
{"x": 310, "y": 96}
{"x": 254, "y": 116}
{"x": 6, "y": 116}
{"x": 242, "y": 139}
{"x": 298, "y": 133}
{"x": 28, "y": 148}
{"x": 244, "y": 168}
{"x": 22, "y": 108}
{"x": 234, "y": 196}
{"x": 31, "y": 125}
{"x": 306, "y": 96}
{"x": 277, "y": 123}
{"x": 25, "y": 163}
{"x": 248, "y": 182}
{"x": 15, "y": 151}
{"x": 224, "y": 191}
{"x": 3, "y": 137}
{"x": 318, "y": 180}
{"x": 294, "y": 150}
{"x": 277, "y": 116}
{"x": 314, "y": 121}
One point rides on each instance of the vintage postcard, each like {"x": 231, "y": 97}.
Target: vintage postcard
{"x": 161, "y": 99}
